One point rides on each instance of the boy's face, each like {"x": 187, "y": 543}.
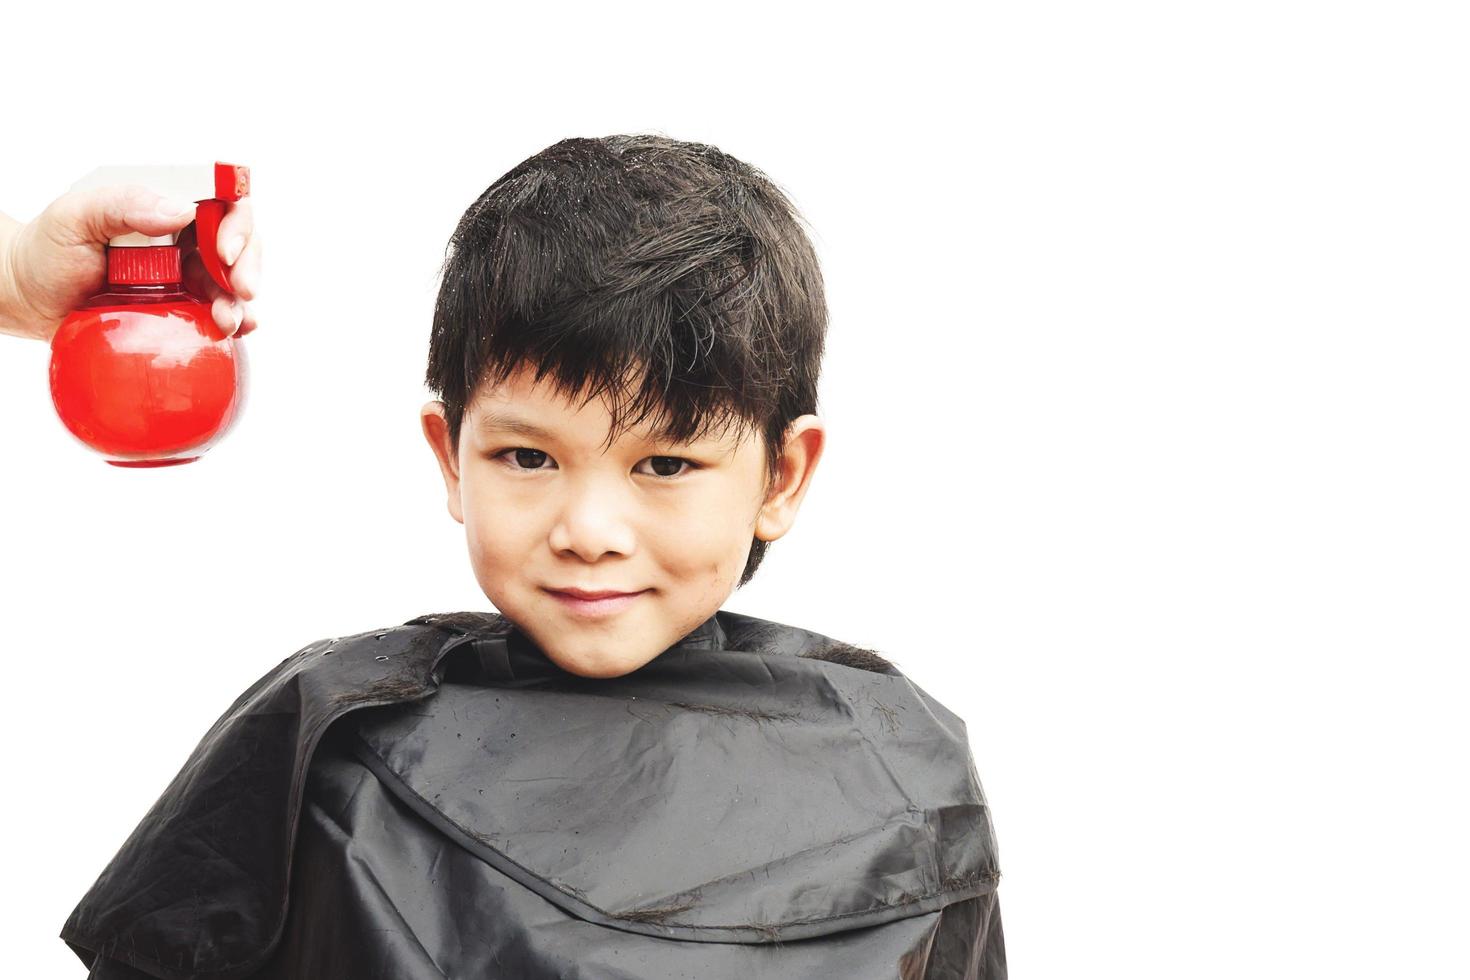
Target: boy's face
{"x": 547, "y": 508}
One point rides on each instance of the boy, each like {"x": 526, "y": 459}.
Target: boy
{"x": 611, "y": 777}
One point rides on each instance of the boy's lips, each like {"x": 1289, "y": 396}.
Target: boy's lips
{"x": 599, "y": 594}
{"x": 604, "y": 603}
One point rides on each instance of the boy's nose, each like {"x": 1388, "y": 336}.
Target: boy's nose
{"x": 591, "y": 526}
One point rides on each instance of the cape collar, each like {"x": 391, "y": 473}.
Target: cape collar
{"x": 708, "y": 635}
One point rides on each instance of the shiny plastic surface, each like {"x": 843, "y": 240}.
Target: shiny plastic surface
{"x": 143, "y": 376}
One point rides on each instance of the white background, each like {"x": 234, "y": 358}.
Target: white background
{"x": 1146, "y": 388}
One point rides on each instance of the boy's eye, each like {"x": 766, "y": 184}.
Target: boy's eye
{"x": 669, "y": 465}
{"x": 528, "y": 459}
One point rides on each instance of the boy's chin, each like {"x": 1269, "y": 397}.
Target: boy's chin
{"x": 590, "y": 653}
{"x": 601, "y": 662}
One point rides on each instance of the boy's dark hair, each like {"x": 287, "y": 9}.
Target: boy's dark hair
{"x": 667, "y": 276}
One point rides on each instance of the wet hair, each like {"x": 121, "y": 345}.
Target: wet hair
{"x": 667, "y": 277}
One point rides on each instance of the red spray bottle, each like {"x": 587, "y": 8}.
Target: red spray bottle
{"x": 140, "y": 372}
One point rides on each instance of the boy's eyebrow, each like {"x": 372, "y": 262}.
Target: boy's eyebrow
{"x": 493, "y": 421}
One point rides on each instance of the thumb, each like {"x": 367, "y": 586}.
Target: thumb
{"x": 96, "y": 215}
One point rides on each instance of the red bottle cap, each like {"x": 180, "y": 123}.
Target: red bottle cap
{"x": 149, "y": 265}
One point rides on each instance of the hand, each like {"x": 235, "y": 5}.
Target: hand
{"x": 49, "y": 266}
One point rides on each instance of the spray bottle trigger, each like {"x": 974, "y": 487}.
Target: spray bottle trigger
{"x": 207, "y": 217}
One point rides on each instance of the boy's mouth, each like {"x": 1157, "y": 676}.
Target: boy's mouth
{"x": 603, "y": 603}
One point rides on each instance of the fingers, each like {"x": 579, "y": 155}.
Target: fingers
{"x": 231, "y": 314}
{"x": 245, "y": 274}
{"x": 239, "y": 249}
{"x": 247, "y": 321}
{"x": 235, "y": 229}
{"x": 96, "y": 215}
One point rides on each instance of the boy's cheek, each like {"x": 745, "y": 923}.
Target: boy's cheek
{"x": 701, "y": 548}
{"x": 493, "y": 551}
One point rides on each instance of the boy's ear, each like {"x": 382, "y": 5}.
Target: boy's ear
{"x": 436, "y": 430}
{"x": 806, "y": 437}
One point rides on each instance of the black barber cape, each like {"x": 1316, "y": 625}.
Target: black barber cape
{"x": 439, "y": 800}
